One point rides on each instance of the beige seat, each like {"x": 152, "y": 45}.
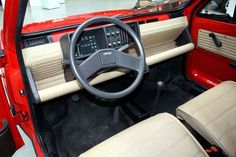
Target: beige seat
{"x": 159, "y": 136}
{"x": 213, "y": 115}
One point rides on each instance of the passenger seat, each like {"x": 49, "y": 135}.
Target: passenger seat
{"x": 162, "y": 135}
{"x": 213, "y": 115}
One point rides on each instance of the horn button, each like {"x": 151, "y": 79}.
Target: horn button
{"x": 108, "y": 57}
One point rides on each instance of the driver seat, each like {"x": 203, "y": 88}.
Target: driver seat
{"x": 158, "y": 136}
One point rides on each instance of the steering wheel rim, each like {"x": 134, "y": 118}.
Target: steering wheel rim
{"x": 77, "y": 70}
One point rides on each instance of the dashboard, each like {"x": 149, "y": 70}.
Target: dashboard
{"x": 91, "y": 40}
{"x": 44, "y": 55}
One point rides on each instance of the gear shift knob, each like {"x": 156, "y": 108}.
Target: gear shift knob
{"x": 160, "y": 84}
{"x": 159, "y": 88}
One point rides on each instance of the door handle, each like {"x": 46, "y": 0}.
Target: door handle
{"x": 217, "y": 42}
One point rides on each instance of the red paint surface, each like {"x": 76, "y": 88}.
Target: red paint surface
{"x": 1, "y": 48}
{"x": 190, "y": 8}
{"x": 6, "y": 114}
{"x": 14, "y": 77}
{"x": 207, "y": 68}
{"x": 2, "y": 59}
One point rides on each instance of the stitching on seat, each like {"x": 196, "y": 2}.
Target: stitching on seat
{"x": 191, "y": 137}
{"x": 221, "y": 114}
{"x": 219, "y": 117}
{"x": 210, "y": 102}
{"x": 229, "y": 130}
{"x": 186, "y": 136}
{"x": 174, "y": 144}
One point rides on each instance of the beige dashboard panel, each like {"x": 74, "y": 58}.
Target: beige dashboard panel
{"x": 156, "y": 33}
{"x": 45, "y": 60}
{"x": 228, "y": 48}
{"x": 45, "y": 64}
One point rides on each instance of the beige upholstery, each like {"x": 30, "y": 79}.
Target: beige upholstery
{"x": 213, "y": 115}
{"x": 159, "y": 136}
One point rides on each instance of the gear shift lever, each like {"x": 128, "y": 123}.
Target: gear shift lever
{"x": 160, "y": 85}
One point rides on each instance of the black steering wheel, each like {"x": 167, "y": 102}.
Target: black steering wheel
{"x": 106, "y": 59}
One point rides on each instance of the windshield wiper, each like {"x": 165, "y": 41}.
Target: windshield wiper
{"x": 136, "y": 9}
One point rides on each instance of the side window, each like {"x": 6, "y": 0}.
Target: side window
{"x": 222, "y": 10}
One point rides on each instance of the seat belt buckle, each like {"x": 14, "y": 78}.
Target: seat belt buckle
{"x": 214, "y": 151}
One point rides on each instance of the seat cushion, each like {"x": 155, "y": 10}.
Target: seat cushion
{"x": 158, "y": 136}
{"x": 213, "y": 115}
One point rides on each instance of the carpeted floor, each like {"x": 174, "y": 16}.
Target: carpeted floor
{"x": 83, "y": 125}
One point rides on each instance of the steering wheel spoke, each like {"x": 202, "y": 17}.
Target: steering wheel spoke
{"x": 127, "y": 61}
{"x": 90, "y": 66}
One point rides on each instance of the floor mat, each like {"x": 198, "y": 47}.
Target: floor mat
{"x": 85, "y": 125}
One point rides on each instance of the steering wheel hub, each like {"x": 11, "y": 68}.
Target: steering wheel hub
{"x": 108, "y": 56}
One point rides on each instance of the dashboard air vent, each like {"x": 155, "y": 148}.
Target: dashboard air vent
{"x": 141, "y": 22}
{"x": 35, "y": 41}
{"x": 151, "y": 20}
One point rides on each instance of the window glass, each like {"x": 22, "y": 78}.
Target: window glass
{"x": 43, "y": 10}
{"x": 216, "y": 7}
{"x": 222, "y": 10}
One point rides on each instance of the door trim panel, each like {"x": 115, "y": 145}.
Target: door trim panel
{"x": 228, "y": 48}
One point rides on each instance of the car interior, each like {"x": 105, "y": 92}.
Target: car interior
{"x": 112, "y": 88}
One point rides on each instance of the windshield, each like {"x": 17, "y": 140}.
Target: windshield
{"x": 39, "y": 11}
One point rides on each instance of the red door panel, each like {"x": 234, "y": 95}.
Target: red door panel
{"x": 5, "y": 114}
{"x": 203, "y": 66}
